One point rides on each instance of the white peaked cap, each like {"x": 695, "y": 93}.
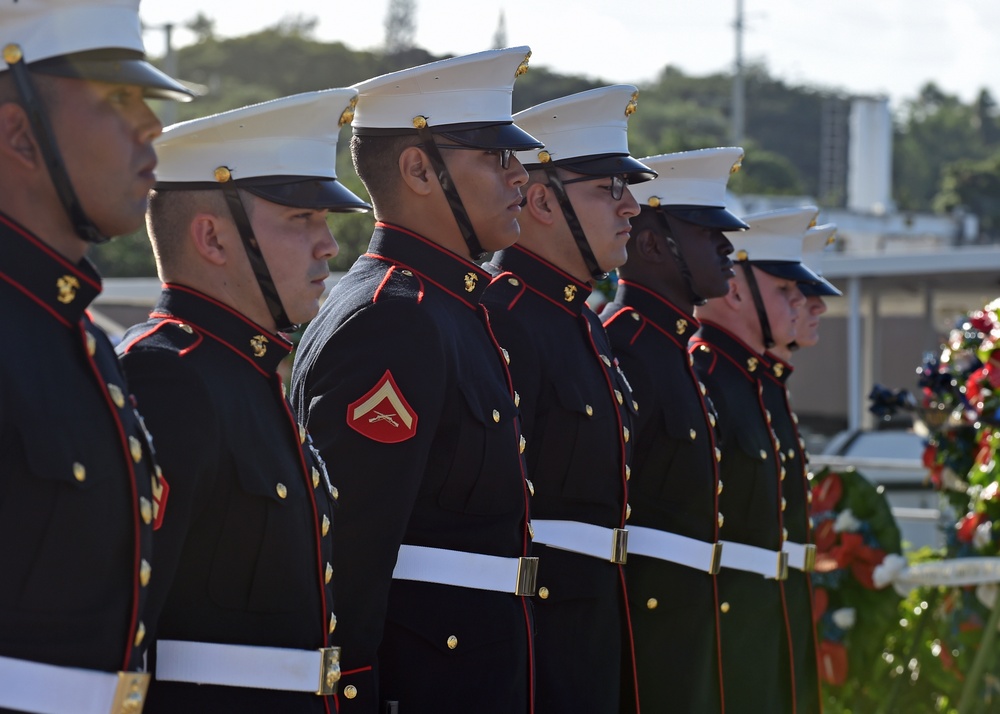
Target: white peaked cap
{"x": 815, "y": 245}
{"x": 460, "y": 94}
{"x": 774, "y": 242}
{"x": 585, "y": 132}
{"x": 692, "y": 185}
{"x": 268, "y": 148}
{"x": 38, "y": 30}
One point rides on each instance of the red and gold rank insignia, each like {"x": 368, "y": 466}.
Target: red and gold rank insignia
{"x": 383, "y": 414}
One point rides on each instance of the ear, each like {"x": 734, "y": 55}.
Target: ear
{"x": 415, "y": 170}
{"x": 17, "y": 141}
{"x": 539, "y": 202}
{"x": 649, "y": 246}
{"x": 737, "y": 292}
{"x": 209, "y": 236}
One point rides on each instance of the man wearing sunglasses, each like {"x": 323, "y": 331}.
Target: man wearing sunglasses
{"x": 576, "y": 406}
{"x": 407, "y": 396}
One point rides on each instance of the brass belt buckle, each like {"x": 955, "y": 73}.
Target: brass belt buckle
{"x": 782, "y": 565}
{"x": 716, "y": 562}
{"x": 130, "y": 693}
{"x": 329, "y": 672}
{"x": 527, "y": 576}
{"x": 619, "y": 546}
{"x": 809, "y": 562}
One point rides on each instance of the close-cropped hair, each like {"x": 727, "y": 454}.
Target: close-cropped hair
{"x": 169, "y": 215}
{"x": 376, "y": 161}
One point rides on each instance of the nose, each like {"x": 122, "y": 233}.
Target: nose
{"x": 148, "y": 124}
{"x": 798, "y": 299}
{"x": 628, "y": 206}
{"x": 516, "y": 173}
{"x": 327, "y": 248}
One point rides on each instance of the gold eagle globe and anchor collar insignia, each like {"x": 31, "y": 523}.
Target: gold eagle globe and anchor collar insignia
{"x": 207, "y": 320}
{"x": 543, "y": 278}
{"x": 65, "y": 289}
{"x": 258, "y": 343}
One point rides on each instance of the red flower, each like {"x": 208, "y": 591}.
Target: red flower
{"x": 860, "y": 558}
{"x": 967, "y": 526}
{"x": 930, "y": 456}
{"x": 821, "y": 600}
{"x": 832, "y": 662}
{"x": 826, "y": 494}
{"x": 824, "y": 535}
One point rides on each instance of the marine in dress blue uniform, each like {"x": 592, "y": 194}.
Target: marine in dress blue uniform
{"x": 80, "y": 492}
{"x": 238, "y": 224}
{"x": 678, "y": 258}
{"x": 730, "y": 351}
{"x": 407, "y": 395}
{"x": 576, "y": 404}
{"x": 796, "y": 244}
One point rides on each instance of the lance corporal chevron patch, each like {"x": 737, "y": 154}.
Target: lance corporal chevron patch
{"x": 383, "y": 414}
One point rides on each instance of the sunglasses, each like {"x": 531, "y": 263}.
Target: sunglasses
{"x": 617, "y": 185}
{"x": 503, "y": 154}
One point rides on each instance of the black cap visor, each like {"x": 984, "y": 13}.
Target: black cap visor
{"x": 707, "y": 216}
{"x": 821, "y": 288}
{"x": 115, "y": 66}
{"x": 605, "y": 165}
{"x": 311, "y": 192}
{"x": 481, "y": 135}
{"x": 787, "y": 269}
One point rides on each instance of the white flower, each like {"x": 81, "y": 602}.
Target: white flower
{"x": 844, "y": 618}
{"x": 886, "y": 571}
{"x": 983, "y": 535}
{"x": 846, "y": 522}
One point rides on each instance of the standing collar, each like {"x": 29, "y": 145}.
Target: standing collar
{"x": 457, "y": 276}
{"x": 263, "y": 349}
{"x": 744, "y": 356}
{"x": 544, "y": 278}
{"x": 657, "y": 309}
{"x": 780, "y": 369}
{"x": 65, "y": 290}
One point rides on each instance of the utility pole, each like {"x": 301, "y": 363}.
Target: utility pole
{"x": 738, "y": 117}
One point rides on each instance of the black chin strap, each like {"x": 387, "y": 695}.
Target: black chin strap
{"x": 573, "y": 222}
{"x": 252, "y": 247}
{"x": 450, "y": 192}
{"x": 758, "y": 302}
{"x": 675, "y": 249}
{"x": 46, "y": 140}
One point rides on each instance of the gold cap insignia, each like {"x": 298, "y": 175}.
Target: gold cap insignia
{"x": 523, "y": 67}
{"x": 222, "y": 174}
{"x": 67, "y": 286}
{"x": 569, "y": 293}
{"x": 633, "y": 104}
{"x": 832, "y": 239}
{"x": 812, "y": 223}
{"x": 12, "y": 54}
{"x": 347, "y": 116}
{"x": 470, "y": 282}
{"x": 737, "y": 166}
{"x": 419, "y": 122}
{"x": 258, "y": 343}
